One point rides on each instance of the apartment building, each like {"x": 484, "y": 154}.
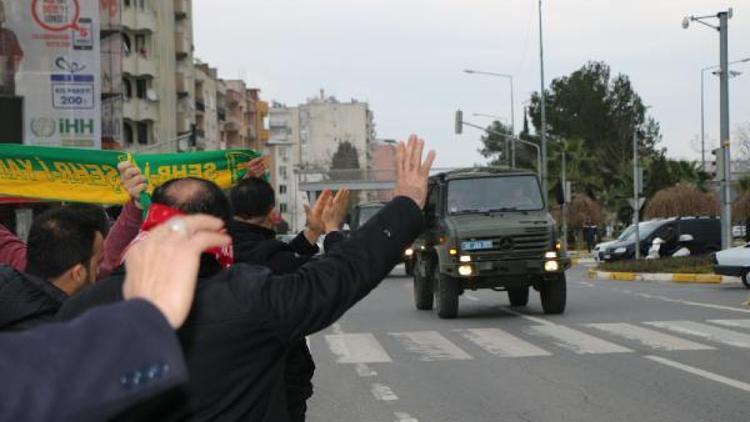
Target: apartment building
{"x": 148, "y": 92}
{"x": 209, "y": 102}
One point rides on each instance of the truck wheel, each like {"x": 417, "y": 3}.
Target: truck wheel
{"x": 746, "y": 278}
{"x": 553, "y": 294}
{"x": 519, "y": 296}
{"x": 422, "y": 285}
{"x": 446, "y": 295}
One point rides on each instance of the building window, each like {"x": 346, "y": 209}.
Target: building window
{"x": 140, "y": 45}
{"x": 282, "y": 172}
{"x": 128, "y": 88}
{"x": 282, "y": 189}
{"x": 127, "y": 133}
{"x": 283, "y": 208}
{"x": 143, "y": 133}
{"x": 126, "y": 3}
{"x": 141, "y": 86}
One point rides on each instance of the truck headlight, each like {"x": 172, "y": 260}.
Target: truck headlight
{"x": 409, "y": 252}
{"x": 465, "y": 258}
{"x": 621, "y": 250}
{"x": 465, "y": 270}
{"x": 551, "y": 266}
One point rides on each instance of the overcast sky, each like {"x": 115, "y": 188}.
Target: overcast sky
{"x": 405, "y": 57}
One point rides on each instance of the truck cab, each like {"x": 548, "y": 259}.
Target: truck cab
{"x": 487, "y": 228}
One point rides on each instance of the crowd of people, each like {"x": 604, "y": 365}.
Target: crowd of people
{"x": 196, "y": 312}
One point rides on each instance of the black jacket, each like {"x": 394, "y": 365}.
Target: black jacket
{"x": 257, "y": 245}
{"x": 244, "y": 319}
{"x": 89, "y": 369}
{"x": 26, "y": 300}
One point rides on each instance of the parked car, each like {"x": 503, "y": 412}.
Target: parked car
{"x": 601, "y": 248}
{"x": 361, "y": 213}
{"x": 734, "y": 262}
{"x": 700, "y": 235}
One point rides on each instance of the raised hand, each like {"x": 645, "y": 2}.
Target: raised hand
{"x": 163, "y": 268}
{"x": 315, "y": 226}
{"x": 132, "y": 180}
{"x": 256, "y": 167}
{"x": 411, "y": 171}
{"x": 335, "y": 211}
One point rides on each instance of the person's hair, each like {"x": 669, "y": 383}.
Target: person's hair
{"x": 252, "y": 197}
{"x": 59, "y": 239}
{"x": 96, "y": 214}
{"x": 194, "y": 196}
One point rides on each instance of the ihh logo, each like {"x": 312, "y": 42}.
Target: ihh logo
{"x": 76, "y": 126}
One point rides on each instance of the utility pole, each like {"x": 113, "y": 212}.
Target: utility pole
{"x": 543, "y": 170}
{"x": 726, "y": 205}
{"x": 636, "y": 198}
{"x": 566, "y": 194}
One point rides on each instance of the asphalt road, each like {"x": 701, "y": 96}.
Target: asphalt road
{"x": 623, "y": 351}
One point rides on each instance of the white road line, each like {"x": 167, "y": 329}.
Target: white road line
{"x": 404, "y": 417}
{"x": 364, "y": 371}
{"x": 471, "y": 297}
{"x": 702, "y": 373}
{"x": 431, "y": 346}
{"x": 586, "y": 283}
{"x": 736, "y": 323}
{"x": 383, "y": 392}
{"x": 534, "y": 319}
{"x": 357, "y": 348}
{"x": 501, "y": 343}
{"x": 710, "y": 332}
{"x": 576, "y": 341}
{"x": 649, "y": 338}
{"x": 691, "y": 303}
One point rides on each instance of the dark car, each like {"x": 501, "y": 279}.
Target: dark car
{"x": 361, "y": 213}
{"x": 704, "y": 231}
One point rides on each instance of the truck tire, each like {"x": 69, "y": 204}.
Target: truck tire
{"x": 519, "y": 296}
{"x": 422, "y": 285}
{"x": 446, "y": 295}
{"x": 553, "y": 293}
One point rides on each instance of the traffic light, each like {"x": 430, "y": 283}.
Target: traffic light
{"x": 718, "y": 164}
{"x": 459, "y": 122}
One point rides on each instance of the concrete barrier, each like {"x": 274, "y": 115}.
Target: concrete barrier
{"x": 663, "y": 277}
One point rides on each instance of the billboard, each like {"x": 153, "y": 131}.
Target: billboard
{"x": 49, "y": 56}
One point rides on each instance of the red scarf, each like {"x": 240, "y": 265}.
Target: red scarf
{"x": 158, "y": 214}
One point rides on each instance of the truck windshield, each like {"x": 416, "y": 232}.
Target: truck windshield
{"x": 489, "y": 194}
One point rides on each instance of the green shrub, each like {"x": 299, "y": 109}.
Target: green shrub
{"x": 688, "y": 264}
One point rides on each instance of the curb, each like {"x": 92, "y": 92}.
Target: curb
{"x": 680, "y": 278}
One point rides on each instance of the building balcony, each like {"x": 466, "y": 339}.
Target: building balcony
{"x": 181, "y": 9}
{"x": 233, "y": 98}
{"x": 182, "y": 85}
{"x": 138, "y": 109}
{"x": 182, "y": 45}
{"x": 262, "y": 108}
{"x": 251, "y": 133}
{"x": 184, "y": 123}
{"x": 137, "y": 19}
{"x": 200, "y": 106}
{"x": 139, "y": 65}
{"x": 231, "y": 127}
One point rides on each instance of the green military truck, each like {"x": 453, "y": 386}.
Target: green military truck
{"x": 487, "y": 228}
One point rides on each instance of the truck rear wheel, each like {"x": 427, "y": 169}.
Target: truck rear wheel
{"x": 553, "y": 292}
{"x": 519, "y": 296}
{"x": 446, "y": 294}
{"x": 422, "y": 285}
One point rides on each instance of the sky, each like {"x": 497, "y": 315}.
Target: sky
{"x": 406, "y": 58}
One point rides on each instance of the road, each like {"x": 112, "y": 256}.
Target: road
{"x": 622, "y": 352}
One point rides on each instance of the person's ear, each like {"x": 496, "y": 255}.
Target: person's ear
{"x": 78, "y": 274}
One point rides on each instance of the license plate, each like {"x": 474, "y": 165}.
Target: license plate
{"x": 476, "y": 245}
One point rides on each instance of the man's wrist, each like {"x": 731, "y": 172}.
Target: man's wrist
{"x": 311, "y": 235}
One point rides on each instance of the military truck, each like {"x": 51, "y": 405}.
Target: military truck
{"x": 487, "y": 228}
{"x": 361, "y": 213}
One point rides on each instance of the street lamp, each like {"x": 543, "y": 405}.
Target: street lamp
{"x": 726, "y": 178}
{"x": 490, "y": 116}
{"x": 542, "y": 97}
{"x": 512, "y": 109}
{"x": 703, "y": 116}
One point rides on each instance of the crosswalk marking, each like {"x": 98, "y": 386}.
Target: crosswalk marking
{"x": 500, "y": 343}
{"x": 357, "y": 348}
{"x": 710, "y": 332}
{"x": 576, "y": 341}
{"x": 431, "y": 346}
{"x": 650, "y": 338}
{"x": 737, "y": 323}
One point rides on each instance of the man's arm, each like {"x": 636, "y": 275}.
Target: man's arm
{"x": 12, "y": 250}
{"x": 90, "y": 368}
{"x": 120, "y": 235}
{"x": 303, "y": 246}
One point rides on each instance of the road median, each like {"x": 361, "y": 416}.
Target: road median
{"x": 679, "y": 278}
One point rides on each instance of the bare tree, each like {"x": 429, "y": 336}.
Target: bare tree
{"x": 682, "y": 200}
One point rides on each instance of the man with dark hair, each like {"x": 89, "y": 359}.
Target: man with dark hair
{"x": 253, "y": 201}
{"x": 63, "y": 254}
{"x": 244, "y": 319}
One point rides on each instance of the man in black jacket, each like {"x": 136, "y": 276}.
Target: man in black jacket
{"x": 254, "y": 241}
{"x": 244, "y": 319}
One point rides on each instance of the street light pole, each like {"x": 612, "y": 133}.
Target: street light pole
{"x": 726, "y": 214}
{"x": 512, "y": 160}
{"x": 542, "y": 95}
{"x": 636, "y": 199}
